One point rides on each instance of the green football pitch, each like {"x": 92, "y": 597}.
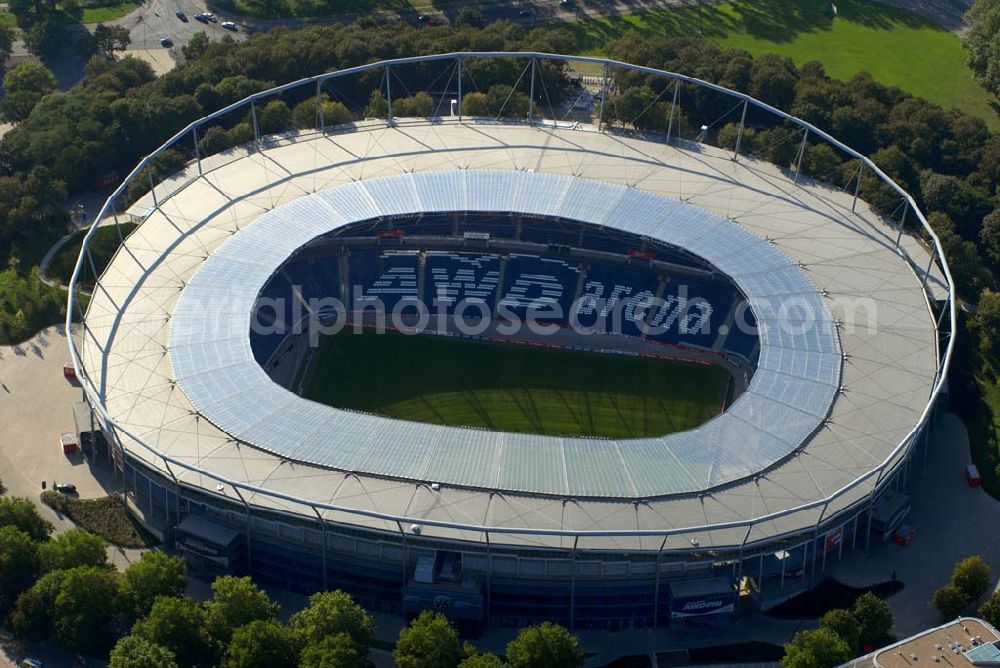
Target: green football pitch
{"x": 513, "y": 388}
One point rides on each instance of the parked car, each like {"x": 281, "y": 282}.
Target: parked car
{"x": 182, "y": 16}
{"x": 166, "y": 42}
{"x": 201, "y": 18}
{"x": 229, "y": 25}
{"x": 211, "y": 17}
{"x": 64, "y": 487}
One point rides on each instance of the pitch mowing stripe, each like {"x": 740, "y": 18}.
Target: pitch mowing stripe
{"x": 512, "y": 388}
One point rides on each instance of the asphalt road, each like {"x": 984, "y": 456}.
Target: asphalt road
{"x": 157, "y": 19}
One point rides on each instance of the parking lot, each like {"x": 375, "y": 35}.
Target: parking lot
{"x": 36, "y": 407}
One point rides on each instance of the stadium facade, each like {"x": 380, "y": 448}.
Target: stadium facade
{"x": 851, "y": 308}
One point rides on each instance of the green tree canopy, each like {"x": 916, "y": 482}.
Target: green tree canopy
{"x": 23, "y": 514}
{"x": 990, "y": 610}
{"x": 236, "y": 602}
{"x": 428, "y": 641}
{"x": 486, "y": 660}
{"x": 136, "y": 652}
{"x": 32, "y": 616}
{"x": 874, "y": 618}
{"x": 154, "y": 574}
{"x": 982, "y": 40}
{"x": 18, "y": 566}
{"x": 546, "y": 645}
{"x": 109, "y": 39}
{"x": 263, "y": 643}
{"x": 821, "y": 648}
{"x": 178, "y": 624}
{"x": 845, "y": 625}
{"x": 973, "y": 576}
{"x": 336, "y": 651}
{"x": 330, "y": 613}
{"x": 25, "y": 86}
{"x": 950, "y": 601}
{"x": 76, "y": 547}
{"x": 274, "y": 117}
{"x": 85, "y": 611}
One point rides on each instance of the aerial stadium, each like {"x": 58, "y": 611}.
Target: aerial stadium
{"x": 540, "y": 363}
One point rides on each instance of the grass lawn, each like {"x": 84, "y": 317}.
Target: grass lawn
{"x": 111, "y": 12}
{"x": 512, "y": 388}
{"x": 897, "y": 47}
{"x": 106, "y": 517}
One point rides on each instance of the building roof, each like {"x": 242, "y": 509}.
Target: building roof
{"x": 787, "y": 399}
{"x": 889, "y": 337}
{"x": 966, "y": 641}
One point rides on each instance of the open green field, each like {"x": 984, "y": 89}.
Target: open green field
{"x": 107, "y": 13}
{"x": 897, "y": 47}
{"x": 514, "y": 388}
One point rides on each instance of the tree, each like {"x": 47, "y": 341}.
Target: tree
{"x": 476, "y": 104}
{"x": 990, "y": 610}
{"x": 274, "y": 117}
{"x": 23, "y": 514}
{"x": 982, "y": 40}
{"x": 305, "y": 117}
{"x": 428, "y": 641}
{"x": 972, "y": 576}
{"x": 84, "y": 613}
{"x": 18, "y": 566}
{"x": 418, "y": 106}
{"x": 821, "y": 648}
{"x": 336, "y": 651}
{"x": 547, "y": 645}
{"x": 135, "y": 652}
{"x": 378, "y": 106}
{"x": 215, "y": 140}
{"x": 32, "y": 617}
{"x": 236, "y": 602}
{"x": 874, "y": 618}
{"x": 6, "y": 43}
{"x": 330, "y": 613}
{"x": 76, "y": 547}
{"x": 178, "y": 624}
{"x": 469, "y": 17}
{"x": 108, "y": 39}
{"x": 196, "y": 46}
{"x": 989, "y": 236}
{"x": 486, "y": 660}
{"x": 821, "y": 162}
{"x": 25, "y": 85}
{"x": 154, "y": 574}
{"x": 45, "y": 38}
{"x": 950, "y": 601}
{"x": 845, "y": 625}
{"x": 261, "y": 644}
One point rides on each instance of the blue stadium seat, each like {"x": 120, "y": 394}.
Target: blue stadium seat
{"x": 383, "y": 275}
{"x": 316, "y": 278}
{"x": 272, "y": 319}
{"x": 454, "y": 277}
{"x": 541, "y": 283}
{"x": 616, "y": 298}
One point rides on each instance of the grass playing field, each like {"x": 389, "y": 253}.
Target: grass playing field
{"x": 897, "y": 47}
{"x": 510, "y": 387}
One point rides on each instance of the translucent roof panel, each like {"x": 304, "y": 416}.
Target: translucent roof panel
{"x": 796, "y": 380}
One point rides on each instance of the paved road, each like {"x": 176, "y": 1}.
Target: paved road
{"x": 952, "y": 521}
{"x": 156, "y": 19}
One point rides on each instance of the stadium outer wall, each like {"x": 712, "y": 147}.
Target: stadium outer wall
{"x": 298, "y": 548}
